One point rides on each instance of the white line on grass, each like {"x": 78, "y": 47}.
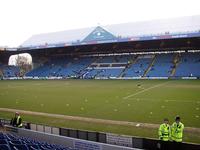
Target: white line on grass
{"x": 142, "y": 91}
{"x": 167, "y": 100}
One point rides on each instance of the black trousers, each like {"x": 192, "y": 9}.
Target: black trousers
{"x": 164, "y": 145}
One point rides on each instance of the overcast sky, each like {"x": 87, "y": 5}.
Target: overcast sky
{"x": 20, "y": 19}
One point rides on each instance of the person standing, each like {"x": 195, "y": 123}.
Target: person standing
{"x": 164, "y": 134}
{"x": 177, "y": 133}
{"x": 177, "y": 130}
{"x": 164, "y": 131}
{"x": 16, "y": 121}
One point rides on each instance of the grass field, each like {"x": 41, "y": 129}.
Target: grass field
{"x": 122, "y": 100}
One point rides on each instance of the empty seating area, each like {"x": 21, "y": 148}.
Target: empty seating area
{"x": 162, "y": 66}
{"x": 9, "y": 71}
{"x": 111, "y": 72}
{"x": 114, "y": 59}
{"x": 158, "y": 65}
{"x": 138, "y": 68}
{"x": 61, "y": 67}
{"x": 107, "y": 66}
{"x": 189, "y": 65}
{"x": 12, "y": 142}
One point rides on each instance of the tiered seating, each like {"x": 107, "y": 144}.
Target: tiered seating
{"x": 76, "y": 67}
{"x": 9, "y": 71}
{"x": 119, "y": 66}
{"x": 110, "y": 73}
{"x": 115, "y": 59}
{"x": 13, "y": 142}
{"x": 50, "y": 68}
{"x": 189, "y": 65}
{"x": 64, "y": 67}
{"x": 138, "y": 69}
{"x": 162, "y": 66}
{"x": 108, "y": 66}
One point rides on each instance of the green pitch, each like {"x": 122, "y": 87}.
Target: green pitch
{"x": 146, "y": 101}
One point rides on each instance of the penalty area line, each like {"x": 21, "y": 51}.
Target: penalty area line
{"x": 142, "y": 91}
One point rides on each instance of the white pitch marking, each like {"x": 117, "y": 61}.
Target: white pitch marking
{"x": 182, "y": 101}
{"x": 142, "y": 91}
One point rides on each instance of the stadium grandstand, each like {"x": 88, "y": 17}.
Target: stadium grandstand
{"x": 159, "y": 49}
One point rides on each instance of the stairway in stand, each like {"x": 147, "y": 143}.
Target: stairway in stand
{"x": 150, "y": 65}
{"x": 176, "y": 62}
{"x": 129, "y": 64}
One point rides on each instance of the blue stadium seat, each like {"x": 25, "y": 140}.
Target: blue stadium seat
{"x": 14, "y": 142}
{"x": 162, "y": 66}
{"x": 91, "y": 67}
{"x": 2, "y": 136}
{"x": 189, "y": 65}
{"x": 138, "y": 69}
{"x": 18, "y": 147}
{"x": 10, "y": 71}
{"x": 3, "y": 141}
{"x": 33, "y": 146}
{"x": 4, "y": 147}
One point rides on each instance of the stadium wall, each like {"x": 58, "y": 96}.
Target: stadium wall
{"x": 100, "y": 78}
{"x": 65, "y": 141}
{"x": 95, "y": 140}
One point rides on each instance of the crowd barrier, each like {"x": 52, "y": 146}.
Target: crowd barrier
{"x": 107, "y": 138}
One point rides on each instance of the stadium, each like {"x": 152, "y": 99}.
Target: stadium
{"x": 104, "y": 87}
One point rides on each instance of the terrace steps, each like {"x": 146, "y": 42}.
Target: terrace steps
{"x": 176, "y": 62}
{"x": 130, "y": 63}
{"x": 149, "y": 67}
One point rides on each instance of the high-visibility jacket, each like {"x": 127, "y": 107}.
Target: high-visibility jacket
{"x": 177, "y": 132}
{"x": 19, "y": 122}
{"x": 164, "y": 132}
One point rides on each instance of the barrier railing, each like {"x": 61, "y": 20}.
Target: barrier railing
{"x": 114, "y": 139}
